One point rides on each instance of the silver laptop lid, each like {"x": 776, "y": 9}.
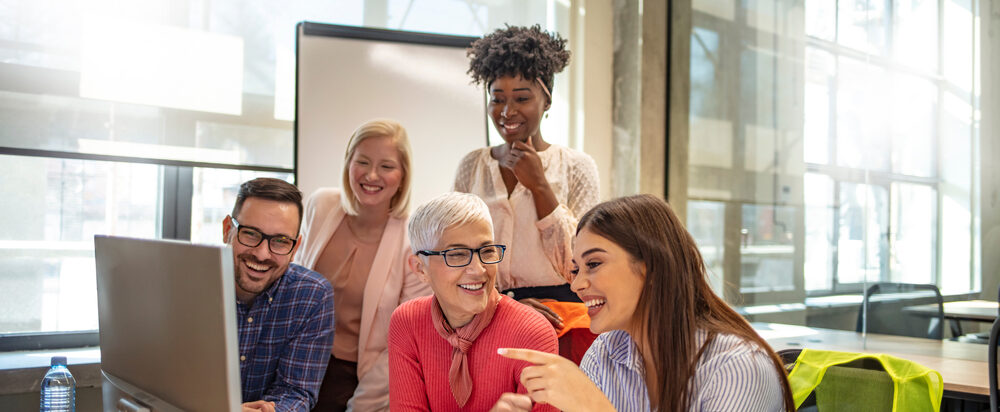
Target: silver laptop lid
{"x": 168, "y": 322}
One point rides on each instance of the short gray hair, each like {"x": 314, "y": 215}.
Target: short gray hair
{"x": 452, "y": 209}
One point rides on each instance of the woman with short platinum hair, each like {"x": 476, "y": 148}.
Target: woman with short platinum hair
{"x": 443, "y": 348}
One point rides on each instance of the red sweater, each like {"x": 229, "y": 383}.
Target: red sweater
{"x": 419, "y": 358}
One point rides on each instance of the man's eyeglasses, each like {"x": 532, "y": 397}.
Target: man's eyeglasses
{"x": 462, "y": 256}
{"x": 252, "y": 237}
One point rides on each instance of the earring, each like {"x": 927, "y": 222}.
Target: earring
{"x": 546, "y": 115}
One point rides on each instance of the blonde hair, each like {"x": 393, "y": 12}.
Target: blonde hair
{"x": 448, "y": 210}
{"x": 399, "y": 205}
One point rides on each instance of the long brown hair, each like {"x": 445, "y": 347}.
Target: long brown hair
{"x": 676, "y": 299}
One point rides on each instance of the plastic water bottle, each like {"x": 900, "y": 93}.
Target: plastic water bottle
{"x": 58, "y": 388}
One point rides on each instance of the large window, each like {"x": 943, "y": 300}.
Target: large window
{"x": 832, "y": 144}
{"x": 142, "y": 118}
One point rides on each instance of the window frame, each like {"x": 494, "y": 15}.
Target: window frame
{"x": 174, "y": 214}
{"x": 174, "y": 211}
{"x": 886, "y": 179}
{"x": 736, "y": 36}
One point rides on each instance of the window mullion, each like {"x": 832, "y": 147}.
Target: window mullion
{"x": 175, "y": 203}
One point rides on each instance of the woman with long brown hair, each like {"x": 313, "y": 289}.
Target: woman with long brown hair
{"x": 668, "y": 342}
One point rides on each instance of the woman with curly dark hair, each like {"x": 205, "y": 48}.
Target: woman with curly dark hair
{"x": 535, "y": 190}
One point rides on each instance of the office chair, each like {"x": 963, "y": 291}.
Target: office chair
{"x": 992, "y": 364}
{"x": 861, "y": 385}
{"x": 885, "y": 316}
{"x": 788, "y": 358}
{"x": 859, "y": 382}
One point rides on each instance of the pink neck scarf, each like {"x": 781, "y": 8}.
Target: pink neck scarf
{"x": 461, "y": 340}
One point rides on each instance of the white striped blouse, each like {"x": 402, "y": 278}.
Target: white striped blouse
{"x": 732, "y": 375}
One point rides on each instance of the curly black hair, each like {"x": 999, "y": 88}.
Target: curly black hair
{"x": 526, "y": 51}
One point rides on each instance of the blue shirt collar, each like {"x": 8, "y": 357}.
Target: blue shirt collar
{"x": 623, "y": 350}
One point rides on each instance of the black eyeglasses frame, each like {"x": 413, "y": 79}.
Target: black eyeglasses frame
{"x": 263, "y": 237}
{"x": 443, "y": 254}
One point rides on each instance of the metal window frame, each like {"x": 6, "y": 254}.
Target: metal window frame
{"x": 48, "y": 340}
{"x": 841, "y": 174}
{"x": 174, "y": 212}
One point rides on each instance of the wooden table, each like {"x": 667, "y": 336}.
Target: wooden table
{"x": 963, "y": 366}
{"x": 967, "y": 310}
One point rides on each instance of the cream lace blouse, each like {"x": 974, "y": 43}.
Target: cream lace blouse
{"x": 539, "y": 250}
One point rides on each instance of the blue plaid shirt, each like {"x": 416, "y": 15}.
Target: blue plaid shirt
{"x": 285, "y": 340}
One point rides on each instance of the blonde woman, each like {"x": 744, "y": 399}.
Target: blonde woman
{"x": 356, "y": 237}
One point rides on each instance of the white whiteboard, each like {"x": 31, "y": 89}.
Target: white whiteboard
{"x": 348, "y": 75}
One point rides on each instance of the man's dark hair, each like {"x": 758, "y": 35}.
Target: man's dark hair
{"x": 271, "y": 189}
{"x": 526, "y": 51}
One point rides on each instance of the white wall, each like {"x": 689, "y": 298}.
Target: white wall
{"x": 590, "y": 78}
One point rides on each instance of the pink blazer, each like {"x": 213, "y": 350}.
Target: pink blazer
{"x": 390, "y": 283}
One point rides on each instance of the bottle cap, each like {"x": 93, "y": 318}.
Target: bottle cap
{"x": 58, "y": 360}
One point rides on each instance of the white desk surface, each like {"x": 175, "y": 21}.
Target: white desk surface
{"x": 975, "y": 310}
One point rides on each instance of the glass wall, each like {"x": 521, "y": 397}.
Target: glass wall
{"x": 142, "y": 118}
{"x": 831, "y": 146}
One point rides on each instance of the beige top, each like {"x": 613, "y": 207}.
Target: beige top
{"x": 345, "y": 262}
{"x": 543, "y": 250}
{"x": 388, "y": 284}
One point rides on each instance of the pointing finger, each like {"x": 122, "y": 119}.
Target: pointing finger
{"x": 528, "y": 355}
{"x": 516, "y": 401}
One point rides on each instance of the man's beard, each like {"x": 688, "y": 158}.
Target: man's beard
{"x": 243, "y": 278}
